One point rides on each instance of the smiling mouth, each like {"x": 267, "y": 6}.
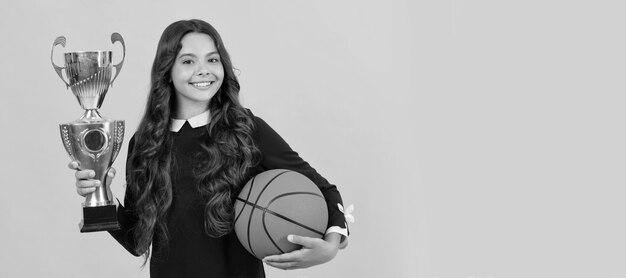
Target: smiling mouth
{"x": 202, "y": 85}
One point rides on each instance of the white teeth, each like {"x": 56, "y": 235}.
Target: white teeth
{"x": 202, "y": 84}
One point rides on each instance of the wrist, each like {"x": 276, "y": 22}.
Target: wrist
{"x": 334, "y": 239}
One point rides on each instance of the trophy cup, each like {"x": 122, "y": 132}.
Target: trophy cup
{"x": 93, "y": 140}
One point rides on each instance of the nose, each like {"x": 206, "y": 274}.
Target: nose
{"x": 203, "y": 69}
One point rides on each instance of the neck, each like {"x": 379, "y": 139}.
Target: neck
{"x": 184, "y": 113}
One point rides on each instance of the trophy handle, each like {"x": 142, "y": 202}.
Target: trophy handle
{"x": 118, "y": 127}
{"x": 59, "y": 40}
{"x": 66, "y": 137}
{"x": 116, "y": 37}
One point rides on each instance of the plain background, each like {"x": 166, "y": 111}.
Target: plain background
{"x": 477, "y": 139}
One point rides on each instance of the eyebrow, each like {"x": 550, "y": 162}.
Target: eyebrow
{"x": 193, "y": 55}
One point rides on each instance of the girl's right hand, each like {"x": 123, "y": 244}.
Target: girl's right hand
{"x": 85, "y": 184}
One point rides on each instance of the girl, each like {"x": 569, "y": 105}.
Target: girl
{"x": 195, "y": 147}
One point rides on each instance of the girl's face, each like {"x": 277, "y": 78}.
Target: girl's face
{"x": 197, "y": 74}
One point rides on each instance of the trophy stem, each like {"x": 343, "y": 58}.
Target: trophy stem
{"x": 91, "y": 115}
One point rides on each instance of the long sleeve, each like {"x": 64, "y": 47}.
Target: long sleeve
{"x": 277, "y": 154}
{"x": 125, "y": 213}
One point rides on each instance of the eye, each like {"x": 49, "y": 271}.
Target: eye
{"x": 214, "y": 60}
{"x": 187, "y": 62}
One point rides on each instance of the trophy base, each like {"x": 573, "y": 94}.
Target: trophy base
{"x": 101, "y": 218}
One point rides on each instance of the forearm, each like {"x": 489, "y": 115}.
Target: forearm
{"x": 125, "y": 235}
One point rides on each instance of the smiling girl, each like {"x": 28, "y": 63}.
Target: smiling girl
{"x": 194, "y": 149}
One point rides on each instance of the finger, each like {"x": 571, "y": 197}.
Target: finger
{"x": 294, "y": 256}
{"x": 110, "y": 176}
{"x": 85, "y": 187}
{"x": 88, "y": 183}
{"x": 74, "y": 165}
{"x": 85, "y": 191}
{"x": 84, "y": 174}
{"x": 307, "y": 242}
{"x": 285, "y": 266}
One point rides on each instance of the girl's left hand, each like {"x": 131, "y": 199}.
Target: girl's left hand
{"x": 314, "y": 251}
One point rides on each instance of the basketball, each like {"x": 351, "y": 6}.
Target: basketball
{"x": 275, "y": 204}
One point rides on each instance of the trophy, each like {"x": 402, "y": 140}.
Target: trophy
{"x": 93, "y": 140}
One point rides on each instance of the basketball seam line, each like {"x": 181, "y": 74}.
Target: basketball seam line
{"x": 285, "y": 218}
{"x": 255, "y": 202}
{"x": 247, "y": 197}
{"x": 288, "y": 219}
{"x": 267, "y": 233}
{"x": 266, "y": 210}
{"x": 244, "y": 207}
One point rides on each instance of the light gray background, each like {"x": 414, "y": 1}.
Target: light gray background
{"x": 475, "y": 138}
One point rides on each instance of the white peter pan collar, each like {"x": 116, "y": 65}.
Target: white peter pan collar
{"x": 195, "y": 121}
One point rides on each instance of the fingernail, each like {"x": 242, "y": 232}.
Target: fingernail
{"x": 290, "y": 237}
{"x": 110, "y": 174}
{"x": 92, "y": 174}
{"x": 98, "y": 183}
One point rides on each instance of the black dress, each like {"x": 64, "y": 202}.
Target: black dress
{"x": 189, "y": 251}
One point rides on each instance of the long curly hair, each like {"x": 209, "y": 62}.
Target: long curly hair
{"x": 229, "y": 150}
